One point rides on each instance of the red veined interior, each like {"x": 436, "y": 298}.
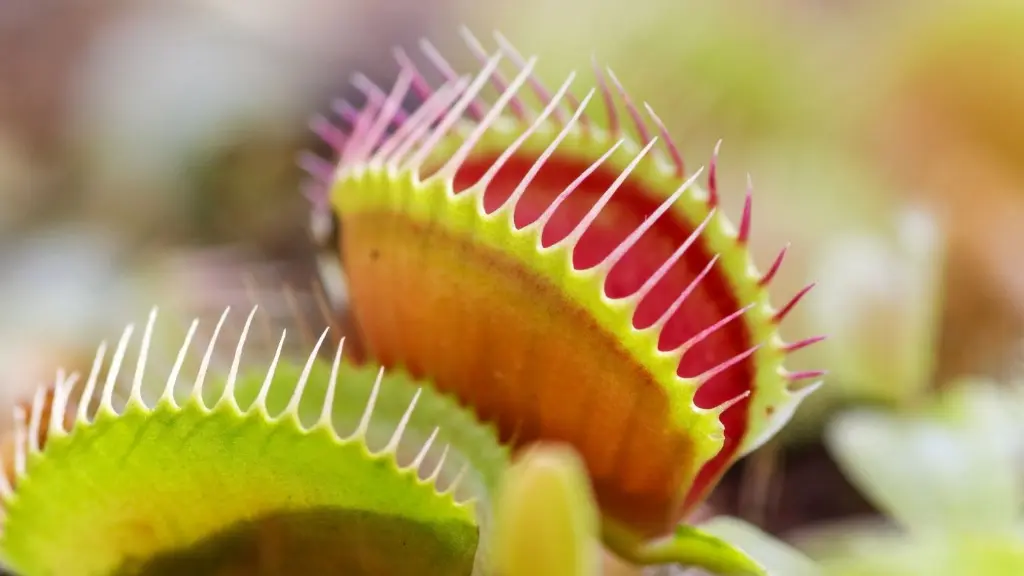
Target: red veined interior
{"x": 631, "y": 204}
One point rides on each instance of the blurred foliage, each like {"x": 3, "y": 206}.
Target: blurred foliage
{"x": 947, "y": 474}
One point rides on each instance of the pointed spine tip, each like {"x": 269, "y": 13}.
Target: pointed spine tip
{"x": 710, "y": 374}
{"x": 774, "y": 268}
{"x": 781, "y": 314}
{"x": 713, "y": 177}
{"x": 801, "y": 344}
{"x": 806, "y": 375}
{"x": 634, "y": 113}
{"x": 725, "y": 406}
{"x": 743, "y": 236}
{"x": 670, "y": 145}
{"x": 614, "y": 126}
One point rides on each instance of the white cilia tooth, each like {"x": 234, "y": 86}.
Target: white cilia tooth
{"x": 631, "y": 109}
{"x": 539, "y": 90}
{"x": 421, "y": 456}
{"x": 135, "y": 394}
{"x": 445, "y": 68}
{"x": 721, "y": 408}
{"x": 300, "y": 387}
{"x": 455, "y": 162}
{"x": 670, "y": 144}
{"x": 396, "y": 437}
{"x": 574, "y": 237}
{"x": 392, "y": 104}
{"x": 674, "y": 307}
{"x": 326, "y": 417}
{"x": 474, "y": 45}
{"x": 364, "y": 422}
{"x": 521, "y": 188}
{"x": 6, "y": 490}
{"x": 634, "y": 236}
{"x": 553, "y": 207}
{"x": 58, "y": 413}
{"x": 36, "y": 414}
{"x": 459, "y": 478}
{"x": 261, "y": 399}
{"x": 228, "y": 395}
{"x": 710, "y": 373}
{"x": 20, "y": 441}
{"x": 419, "y": 84}
{"x": 718, "y": 325}
{"x": 394, "y": 151}
{"x": 440, "y": 465}
{"x": 454, "y": 113}
{"x": 671, "y": 261}
{"x": 506, "y": 154}
{"x": 614, "y": 127}
{"x": 204, "y": 366}
{"x": 172, "y": 378}
{"x": 107, "y": 395}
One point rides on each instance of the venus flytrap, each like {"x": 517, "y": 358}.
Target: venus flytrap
{"x": 562, "y": 282}
{"x": 300, "y": 467}
{"x": 567, "y": 282}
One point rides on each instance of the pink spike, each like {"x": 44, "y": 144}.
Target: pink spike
{"x": 584, "y": 120}
{"x": 724, "y": 406}
{"x": 362, "y": 124}
{"x": 371, "y": 90}
{"x": 806, "y": 375}
{"x": 651, "y": 282}
{"x": 646, "y": 225}
{"x": 346, "y": 111}
{"x": 748, "y": 206}
{"x": 451, "y": 167}
{"x": 328, "y": 132}
{"x": 388, "y": 113}
{"x": 541, "y": 91}
{"x": 774, "y": 267}
{"x": 455, "y": 113}
{"x": 420, "y": 121}
{"x": 520, "y": 189}
{"x": 498, "y": 79}
{"x": 703, "y": 334}
{"x": 553, "y": 207}
{"x": 671, "y": 311}
{"x": 419, "y": 83}
{"x": 317, "y": 167}
{"x": 713, "y": 177}
{"x": 781, "y": 314}
{"x": 316, "y": 194}
{"x": 634, "y": 112}
{"x": 609, "y": 100}
{"x": 800, "y": 345}
{"x": 725, "y": 365}
{"x": 605, "y": 198}
{"x": 441, "y": 63}
{"x": 673, "y": 150}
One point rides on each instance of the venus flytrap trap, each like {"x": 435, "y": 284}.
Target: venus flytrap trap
{"x": 310, "y": 467}
{"x": 567, "y": 282}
